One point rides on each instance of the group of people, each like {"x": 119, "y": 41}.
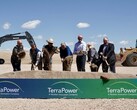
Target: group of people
{"x": 105, "y": 55}
{"x": 43, "y": 59}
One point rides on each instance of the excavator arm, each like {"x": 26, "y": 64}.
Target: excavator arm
{"x": 16, "y": 36}
{"x": 29, "y": 38}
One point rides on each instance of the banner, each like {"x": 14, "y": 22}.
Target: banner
{"x": 68, "y": 88}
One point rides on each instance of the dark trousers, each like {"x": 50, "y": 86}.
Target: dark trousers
{"x": 96, "y": 62}
{"x": 16, "y": 64}
{"x": 105, "y": 67}
{"x": 47, "y": 64}
{"x": 81, "y": 61}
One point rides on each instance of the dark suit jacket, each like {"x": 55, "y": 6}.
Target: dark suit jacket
{"x": 109, "y": 53}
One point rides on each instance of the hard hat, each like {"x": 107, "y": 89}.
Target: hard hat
{"x": 50, "y": 41}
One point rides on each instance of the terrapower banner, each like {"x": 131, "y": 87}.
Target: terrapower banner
{"x": 68, "y": 88}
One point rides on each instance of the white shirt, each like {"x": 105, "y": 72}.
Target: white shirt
{"x": 79, "y": 47}
{"x": 39, "y": 54}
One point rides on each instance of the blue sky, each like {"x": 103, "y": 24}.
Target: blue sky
{"x": 64, "y": 20}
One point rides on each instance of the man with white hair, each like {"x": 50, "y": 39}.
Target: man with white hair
{"x": 80, "y": 51}
{"x": 66, "y": 57}
{"x": 15, "y": 58}
{"x": 107, "y": 55}
{"x": 93, "y": 58}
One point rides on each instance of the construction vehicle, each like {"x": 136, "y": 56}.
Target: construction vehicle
{"x": 16, "y": 36}
{"x": 129, "y": 57}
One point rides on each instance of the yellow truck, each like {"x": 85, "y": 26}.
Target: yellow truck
{"x": 129, "y": 57}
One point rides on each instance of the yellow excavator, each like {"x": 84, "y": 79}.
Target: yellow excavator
{"x": 16, "y": 36}
{"x": 129, "y": 56}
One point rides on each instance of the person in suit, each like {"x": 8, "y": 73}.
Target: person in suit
{"x": 107, "y": 55}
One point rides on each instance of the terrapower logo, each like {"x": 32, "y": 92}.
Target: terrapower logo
{"x": 63, "y": 88}
{"x": 9, "y": 88}
{"x": 122, "y": 88}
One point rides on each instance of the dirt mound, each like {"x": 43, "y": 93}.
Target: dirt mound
{"x": 63, "y": 75}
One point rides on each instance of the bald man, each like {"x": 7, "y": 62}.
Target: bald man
{"x": 107, "y": 55}
{"x": 15, "y": 59}
{"x": 80, "y": 51}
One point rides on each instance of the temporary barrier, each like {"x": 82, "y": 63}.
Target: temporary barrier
{"x": 68, "y": 88}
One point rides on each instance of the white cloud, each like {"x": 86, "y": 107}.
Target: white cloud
{"x": 69, "y": 43}
{"x": 92, "y": 43}
{"x": 111, "y": 42}
{"x": 39, "y": 37}
{"x": 83, "y": 25}
{"x": 101, "y": 35}
{"x": 31, "y": 24}
{"x": 124, "y": 42}
{"x": 6, "y": 25}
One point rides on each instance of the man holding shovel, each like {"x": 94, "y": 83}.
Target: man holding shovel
{"x": 66, "y": 57}
{"x": 36, "y": 57}
{"x": 107, "y": 55}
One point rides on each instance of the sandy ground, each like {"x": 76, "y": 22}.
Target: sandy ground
{"x": 68, "y": 104}
{"x": 65, "y": 104}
